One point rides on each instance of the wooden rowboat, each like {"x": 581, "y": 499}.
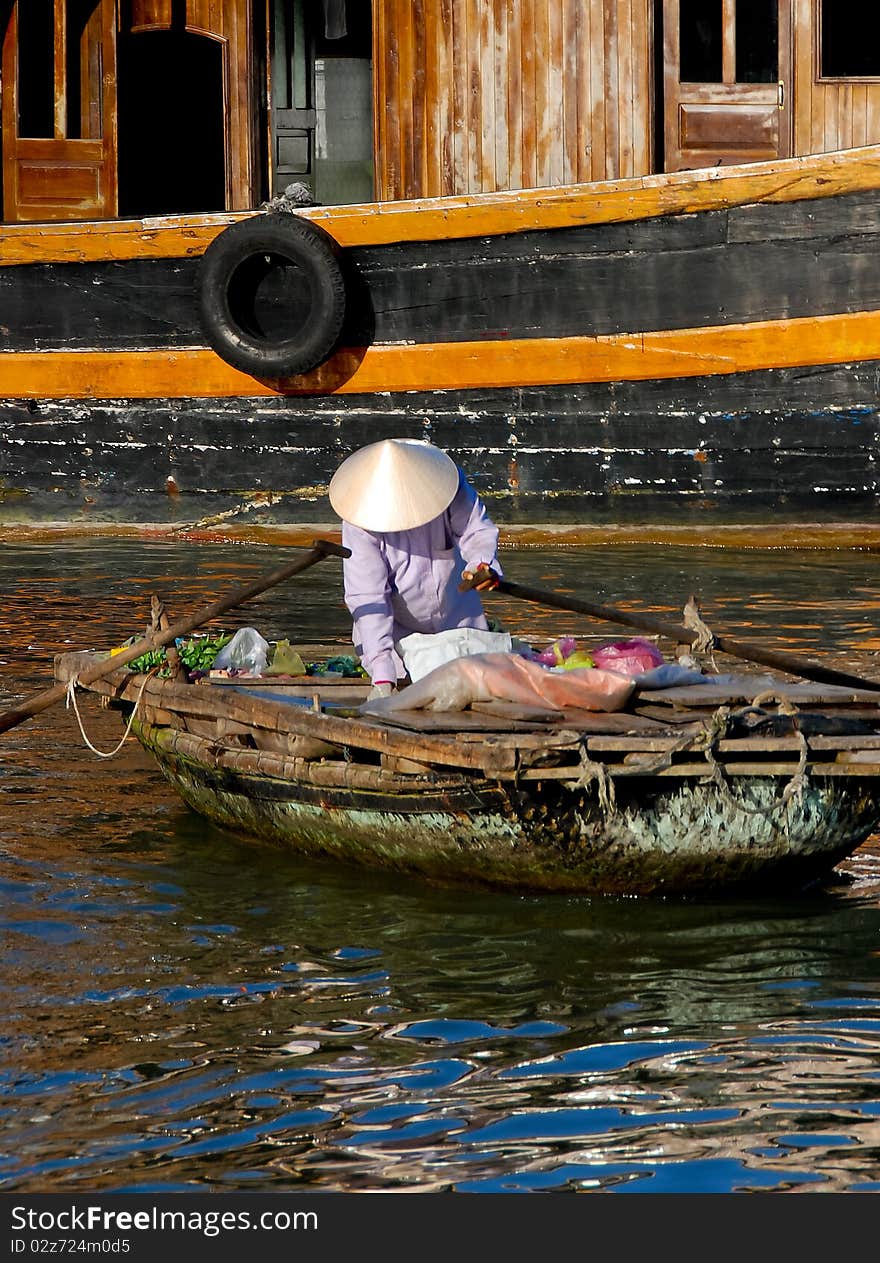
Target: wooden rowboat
{"x": 742, "y": 781}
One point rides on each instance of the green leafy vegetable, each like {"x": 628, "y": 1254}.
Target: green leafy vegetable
{"x": 197, "y": 653}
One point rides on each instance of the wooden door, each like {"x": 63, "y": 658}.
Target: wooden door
{"x": 726, "y": 81}
{"x": 59, "y": 110}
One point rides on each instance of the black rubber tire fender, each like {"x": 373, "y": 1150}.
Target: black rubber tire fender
{"x": 228, "y": 267}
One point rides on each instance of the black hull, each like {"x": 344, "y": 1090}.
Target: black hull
{"x": 801, "y": 442}
{"x": 722, "y": 363}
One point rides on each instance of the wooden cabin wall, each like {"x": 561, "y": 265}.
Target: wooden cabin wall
{"x": 481, "y": 96}
{"x": 835, "y": 114}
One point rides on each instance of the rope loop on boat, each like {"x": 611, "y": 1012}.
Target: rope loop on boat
{"x": 717, "y": 728}
{"x": 591, "y": 771}
{"x": 783, "y": 705}
{"x": 70, "y": 702}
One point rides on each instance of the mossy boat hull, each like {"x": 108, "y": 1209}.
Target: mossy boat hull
{"x": 657, "y": 837}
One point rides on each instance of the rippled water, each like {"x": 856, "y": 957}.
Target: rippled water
{"x": 182, "y": 1009}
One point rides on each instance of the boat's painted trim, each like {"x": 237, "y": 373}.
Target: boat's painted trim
{"x": 711, "y": 351}
{"x": 480, "y": 215}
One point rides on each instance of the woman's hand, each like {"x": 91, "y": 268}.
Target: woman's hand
{"x": 483, "y": 578}
{"x": 381, "y": 688}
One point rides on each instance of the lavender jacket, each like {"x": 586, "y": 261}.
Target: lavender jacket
{"x": 397, "y": 582}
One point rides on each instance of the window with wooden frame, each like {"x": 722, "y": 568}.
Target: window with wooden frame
{"x": 847, "y": 40}
{"x": 58, "y": 76}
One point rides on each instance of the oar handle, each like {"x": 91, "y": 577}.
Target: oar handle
{"x": 37, "y": 702}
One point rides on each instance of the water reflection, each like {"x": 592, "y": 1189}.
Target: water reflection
{"x": 183, "y": 1009}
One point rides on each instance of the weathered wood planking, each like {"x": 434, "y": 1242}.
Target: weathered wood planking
{"x": 605, "y": 449}
{"x": 506, "y": 72}
{"x": 829, "y": 114}
{"x": 744, "y": 689}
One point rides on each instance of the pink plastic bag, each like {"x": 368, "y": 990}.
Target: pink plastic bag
{"x": 629, "y": 657}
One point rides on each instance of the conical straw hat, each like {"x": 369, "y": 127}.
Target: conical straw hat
{"x": 394, "y": 485}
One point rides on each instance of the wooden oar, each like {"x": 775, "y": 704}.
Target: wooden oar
{"x": 37, "y": 702}
{"x": 794, "y": 664}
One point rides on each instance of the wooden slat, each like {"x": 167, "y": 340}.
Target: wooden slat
{"x": 802, "y": 87}
{"x": 410, "y": 97}
{"x": 872, "y": 124}
{"x": 528, "y": 98}
{"x": 59, "y": 75}
{"x": 388, "y": 156}
{"x": 786, "y": 76}
{"x": 744, "y": 689}
{"x": 544, "y": 138}
{"x": 241, "y": 178}
{"x": 501, "y": 67}
{"x": 568, "y": 16}
{"x": 421, "y": 55}
{"x": 615, "y": 722}
{"x": 702, "y": 771}
{"x": 379, "y": 93}
{"x": 453, "y": 722}
{"x": 512, "y": 120}
{"x": 625, "y": 87}
{"x": 728, "y": 41}
{"x": 485, "y": 53}
{"x": 671, "y": 62}
{"x": 611, "y": 90}
{"x": 642, "y": 88}
{"x": 517, "y": 711}
{"x": 557, "y": 89}
{"x": 429, "y": 51}
{"x": 844, "y": 116}
{"x": 459, "y": 88}
{"x": 860, "y": 115}
{"x": 655, "y": 745}
{"x": 585, "y": 170}
{"x": 474, "y": 119}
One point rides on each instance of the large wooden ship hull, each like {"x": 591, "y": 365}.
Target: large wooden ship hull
{"x": 709, "y": 337}
{"x": 617, "y": 256}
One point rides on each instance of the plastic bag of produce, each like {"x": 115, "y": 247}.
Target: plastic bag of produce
{"x": 629, "y": 657}
{"x": 247, "y": 652}
{"x": 285, "y": 661}
{"x": 557, "y": 652}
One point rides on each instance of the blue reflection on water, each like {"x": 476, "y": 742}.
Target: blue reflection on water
{"x": 708, "y": 1175}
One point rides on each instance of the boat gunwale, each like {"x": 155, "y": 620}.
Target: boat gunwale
{"x": 799, "y": 178}
{"x": 547, "y": 751}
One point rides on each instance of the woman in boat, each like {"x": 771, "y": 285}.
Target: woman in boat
{"x": 415, "y": 527}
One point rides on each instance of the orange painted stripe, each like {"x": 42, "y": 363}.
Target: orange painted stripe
{"x": 200, "y": 374}
{"x": 480, "y": 215}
